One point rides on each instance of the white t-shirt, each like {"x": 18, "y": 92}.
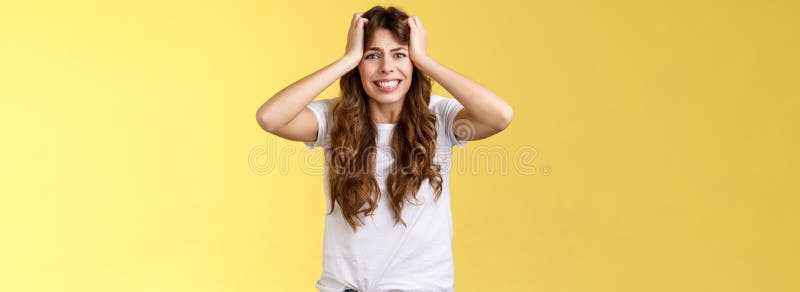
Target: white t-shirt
{"x": 380, "y": 255}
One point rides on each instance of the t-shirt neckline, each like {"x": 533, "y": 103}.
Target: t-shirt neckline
{"x": 384, "y": 125}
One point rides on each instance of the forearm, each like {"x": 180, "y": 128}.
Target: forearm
{"x": 285, "y": 105}
{"x": 484, "y": 104}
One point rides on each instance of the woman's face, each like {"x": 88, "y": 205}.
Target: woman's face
{"x": 385, "y": 68}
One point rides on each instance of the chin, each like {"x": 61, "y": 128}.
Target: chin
{"x": 390, "y": 98}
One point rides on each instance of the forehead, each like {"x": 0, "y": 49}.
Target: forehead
{"x": 384, "y": 39}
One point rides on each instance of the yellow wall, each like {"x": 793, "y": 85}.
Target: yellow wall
{"x": 665, "y": 136}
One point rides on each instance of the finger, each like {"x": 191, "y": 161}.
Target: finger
{"x": 356, "y": 17}
{"x": 362, "y": 23}
{"x": 418, "y": 23}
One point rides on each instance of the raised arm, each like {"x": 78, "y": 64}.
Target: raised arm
{"x": 484, "y": 111}
{"x": 285, "y": 114}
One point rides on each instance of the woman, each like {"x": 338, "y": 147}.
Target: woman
{"x": 387, "y": 142}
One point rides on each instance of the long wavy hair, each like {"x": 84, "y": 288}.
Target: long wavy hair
{"x": 352, "y": 151}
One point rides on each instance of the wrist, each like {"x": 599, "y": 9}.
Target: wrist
{"x": 350, "y": 60}
{"x": 422, "y": 62}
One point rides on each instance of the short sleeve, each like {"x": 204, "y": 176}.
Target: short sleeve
{"x": 321, "y": 110}
{"x": 447, "y": 109}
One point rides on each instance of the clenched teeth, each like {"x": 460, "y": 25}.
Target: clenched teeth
{"x": 388, "y": 84}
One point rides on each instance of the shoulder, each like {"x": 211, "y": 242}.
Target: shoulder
{"x": 446, "y": 110}
{"x": 435, "y": 102}
{"x": 323, "y": 105}
{"x": 321, "y": 109}
{"x": 444, "y": 107}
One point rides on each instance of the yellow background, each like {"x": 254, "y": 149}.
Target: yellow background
{"x": 665, "y": 137}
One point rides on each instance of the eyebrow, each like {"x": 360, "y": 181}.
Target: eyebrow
{"x": 379, "y": 49}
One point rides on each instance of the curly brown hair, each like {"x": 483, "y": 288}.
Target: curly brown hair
{"x": 352, "y": 151}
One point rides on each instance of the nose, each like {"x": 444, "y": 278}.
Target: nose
{"x": 387, "y": 65}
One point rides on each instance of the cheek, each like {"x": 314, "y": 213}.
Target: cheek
{"x": 364, "y": 73}
{"x": 408, "y": 69}
{"x": 409, "y": 73}
{"x": 366, "y": 69}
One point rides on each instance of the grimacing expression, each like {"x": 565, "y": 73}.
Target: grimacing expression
{"x": 385, "y": 68}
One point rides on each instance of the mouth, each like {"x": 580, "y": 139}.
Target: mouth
{"x": 387, "y": 85}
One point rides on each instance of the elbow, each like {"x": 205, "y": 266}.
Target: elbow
{"x": 506, "y": 116}
{"x": 263, "y": 121}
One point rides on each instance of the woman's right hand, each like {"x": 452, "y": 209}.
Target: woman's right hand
{"x": 355, "y": 38}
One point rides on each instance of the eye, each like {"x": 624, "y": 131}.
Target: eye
{"x": 401, "y": 54}
{"x": 371, "y": 55}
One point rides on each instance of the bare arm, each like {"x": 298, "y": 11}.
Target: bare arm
{"x": 285, "y": 114}
{"x": 285, "y": 105}
{"x": 484, "y": 111}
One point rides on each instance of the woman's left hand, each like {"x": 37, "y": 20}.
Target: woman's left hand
{"x": 418, "y": 40}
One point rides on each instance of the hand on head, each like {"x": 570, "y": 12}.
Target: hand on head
{"x": 418, "y": 41}
{"x": 355, "y": 37}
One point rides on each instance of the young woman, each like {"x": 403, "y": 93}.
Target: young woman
{"x": 388, "y": 143}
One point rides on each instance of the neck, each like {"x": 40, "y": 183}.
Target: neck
{"x": 385, "y": 113}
